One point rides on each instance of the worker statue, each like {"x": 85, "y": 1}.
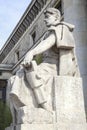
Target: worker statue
{"x": 58, "y": 56}
{"x": 49, "y": 95}
{"x": 58, "y": 49}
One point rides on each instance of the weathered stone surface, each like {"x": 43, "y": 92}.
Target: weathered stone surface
{"x": 34, "y": 127}
{"x": 34, "y": 115}
{"x": 71, "y": 126}
{"x": 49, "y": 127}
{"x": 76, "y": 13}
{"x": 69, "y": 100}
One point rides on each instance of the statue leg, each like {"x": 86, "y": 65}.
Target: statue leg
{"x": 9, "y": 100}
{"x": 37, "y": 86}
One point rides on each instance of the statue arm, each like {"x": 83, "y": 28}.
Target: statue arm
{"x": 40, "y": 48}
{"x": 44, "y": 45}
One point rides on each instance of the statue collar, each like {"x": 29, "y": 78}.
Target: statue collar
{"x": 70, "y": 26}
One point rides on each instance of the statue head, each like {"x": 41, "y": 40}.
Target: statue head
{"x": 52, "y": 16}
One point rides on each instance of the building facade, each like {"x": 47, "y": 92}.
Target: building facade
{"x": 29, "y": 31}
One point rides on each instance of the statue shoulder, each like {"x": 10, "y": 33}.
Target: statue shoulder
{"x": 68, "y": 26}
{"x": 64, "y": 36}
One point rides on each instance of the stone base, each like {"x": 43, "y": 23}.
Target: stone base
{"x": 49, "y": 127}
{"x": 69, "y": 100}
{"x": 34, "y": 116}
{"x": 33, "y": 127}
{"x": 69, "y": 112}
{"x": 64, "y": 126}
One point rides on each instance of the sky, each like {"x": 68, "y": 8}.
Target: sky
{"x": 10, "y": 13}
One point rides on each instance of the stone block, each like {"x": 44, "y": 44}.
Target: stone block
{"x": 63, "y": 126}
{"x": 60, "y": 126}
{"x": 69, "y": 100}
{"x": 35, "y": 127}
{"x": 34, "y": 115}
{"x": 68, "y": 106}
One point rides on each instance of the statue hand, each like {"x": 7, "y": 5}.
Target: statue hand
{"x": 27, "y": 60}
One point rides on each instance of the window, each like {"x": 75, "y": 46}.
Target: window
{"x": 34, "y": 36}
{"x": 17, "y": 56}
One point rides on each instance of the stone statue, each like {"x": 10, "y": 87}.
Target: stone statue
{"x": 32, "y": 88}
{"x": 58, "y": 56}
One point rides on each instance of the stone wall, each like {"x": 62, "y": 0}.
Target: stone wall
{"x": 26, "y": 42}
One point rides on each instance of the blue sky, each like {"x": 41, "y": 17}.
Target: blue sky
{"x": 10, "y": 13}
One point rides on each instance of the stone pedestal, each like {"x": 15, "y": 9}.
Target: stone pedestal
{"x": 69, "y": 101}
{"x": 68, "y": 104}
{"x": 35, "y": 116}
{"x": 49, "y": 127}
{"x": 33, "y": 127}
{"x": 72, "y": 126}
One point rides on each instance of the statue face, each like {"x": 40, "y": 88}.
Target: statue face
{"x": 50, "y": 19}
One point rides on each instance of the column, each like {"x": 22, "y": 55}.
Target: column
{"x": 75, "y": 12}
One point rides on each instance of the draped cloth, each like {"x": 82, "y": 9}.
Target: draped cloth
{"x": 19, "y": 91}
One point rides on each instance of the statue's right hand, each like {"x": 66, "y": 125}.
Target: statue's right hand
{"x": 27, "y": 60}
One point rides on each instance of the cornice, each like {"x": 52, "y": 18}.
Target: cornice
{"x": 28, "y": 17}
